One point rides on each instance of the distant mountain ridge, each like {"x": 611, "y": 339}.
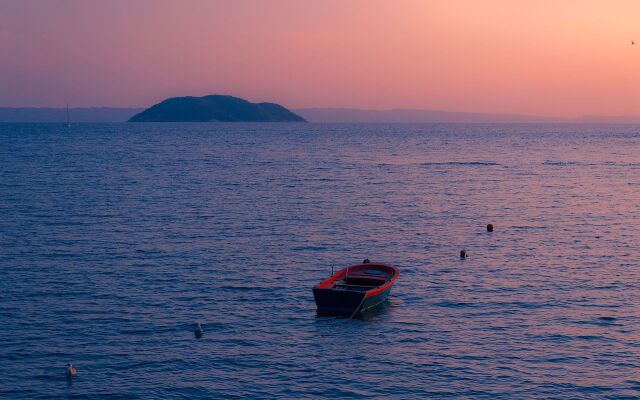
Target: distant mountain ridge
{"x": 415, "y": 116}
{"x": 609, "y": 119}
{"x": 215, "y": 108}
{"x": 78, "y": 114}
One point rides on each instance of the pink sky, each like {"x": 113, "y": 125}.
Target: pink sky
{"x": 561, "y": 58}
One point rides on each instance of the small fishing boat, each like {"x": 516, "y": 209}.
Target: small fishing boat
{"x": 355, "y": 289}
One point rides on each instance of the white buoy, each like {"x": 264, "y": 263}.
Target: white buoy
{"x": 199, "y": 331}
{"x": 71, "y": 371}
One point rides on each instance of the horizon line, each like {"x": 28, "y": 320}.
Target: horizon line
{"x": 357, "y": 109}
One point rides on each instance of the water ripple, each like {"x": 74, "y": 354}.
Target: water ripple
{"x": 115, "y": 239}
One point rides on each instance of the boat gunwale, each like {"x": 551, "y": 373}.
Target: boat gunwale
{"x": 374, "y": 291}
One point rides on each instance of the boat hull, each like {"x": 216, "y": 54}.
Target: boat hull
{"x": 346, "y": 302}
{"x": 334, "y": 302}
{"x": 374, "y": 301}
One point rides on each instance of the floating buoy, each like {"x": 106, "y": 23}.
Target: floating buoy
{"x": 489, "y": 227}
{"x": 71, "y": 371}
{"x": 366, "y": 261}
{"x": 463, "y": 254}
{"x": 199, "y": 331}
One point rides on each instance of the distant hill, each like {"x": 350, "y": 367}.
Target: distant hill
{"x": 214, "y": 108}
{"x": 84, "y": 114}
{"x": 414, "y": 116}
{"x": 609, "y": 119}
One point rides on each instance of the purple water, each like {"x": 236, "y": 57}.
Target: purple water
{"x": 115, "y": 239}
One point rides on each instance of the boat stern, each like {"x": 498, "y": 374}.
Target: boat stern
{"x": 337, "y": 302}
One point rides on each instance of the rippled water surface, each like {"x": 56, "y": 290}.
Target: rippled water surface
{"x": 116, "y": 238}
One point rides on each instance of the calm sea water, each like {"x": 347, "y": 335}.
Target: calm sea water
{"x": 116, "y": 238}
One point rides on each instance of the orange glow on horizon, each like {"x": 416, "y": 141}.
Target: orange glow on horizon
{"x": 557, "y": 58}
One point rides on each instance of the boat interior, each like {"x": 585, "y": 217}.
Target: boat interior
{"x": 360, "y": 282}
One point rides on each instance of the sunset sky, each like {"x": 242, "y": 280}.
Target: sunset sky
{"x": 559, "y": 58}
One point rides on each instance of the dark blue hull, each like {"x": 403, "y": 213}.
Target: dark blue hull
{"x": 374, "y": 301}
{"x": 346, "y": 302}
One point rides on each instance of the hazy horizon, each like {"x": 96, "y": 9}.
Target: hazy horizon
{"x": 552, "y": 59}
{"x": 319, "y": 115}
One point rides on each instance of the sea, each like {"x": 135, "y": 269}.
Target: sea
{"x": 115, "y": 239}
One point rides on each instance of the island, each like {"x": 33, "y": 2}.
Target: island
{"x": 215, "y": 108}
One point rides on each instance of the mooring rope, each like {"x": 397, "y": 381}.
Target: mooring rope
{"x": 359, "y": 305}
{"x": 337, "y": 318}
{"x": 346, "y": 276}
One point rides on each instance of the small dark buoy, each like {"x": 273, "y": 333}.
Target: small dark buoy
{"x": 71, "y": 371}
{"x": 366, "y": 261}
{"x": 489, "y": 227}
{"x": 463, "y": 254}
{"x": 199, "y": 331}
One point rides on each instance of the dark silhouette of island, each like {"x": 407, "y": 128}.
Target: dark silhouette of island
{"x": 215, "y": 108}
